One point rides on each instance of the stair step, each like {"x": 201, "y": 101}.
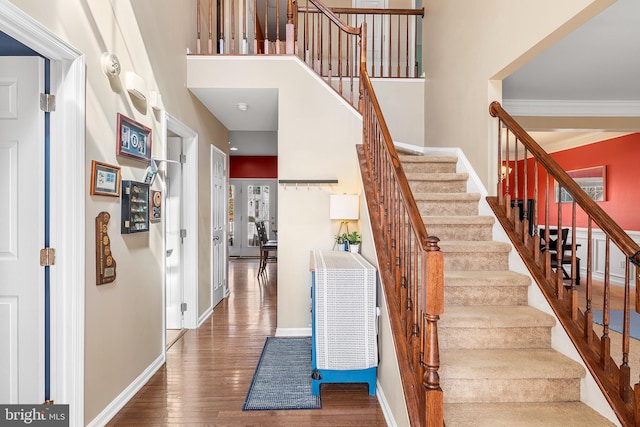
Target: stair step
{"x": 437, "y": 182}
{"x": 474, "y": 227}
{"x": 468, "y": 255}
{"x": 485, "y": 288}
{"x": 429, "y": 164}
{"x": 509, "y": 375}
{"x": 451, "y": 204}
{"x": 548, "y": 414}
{"x": 495, "y": 327}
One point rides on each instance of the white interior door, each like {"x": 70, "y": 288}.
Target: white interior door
{"x": 21, "y": 230}
{"x": 253, "y": 200}
{"x": 174, "y": 275}
{"x": 218, "y": 223}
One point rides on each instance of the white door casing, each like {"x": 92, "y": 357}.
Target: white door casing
{"x": 67, "y": 196}
{"x": 21, "y": 230}
{"x": 218, "y": 225}
{"x": 174, "y": 277}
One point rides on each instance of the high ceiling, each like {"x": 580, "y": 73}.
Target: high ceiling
{"x": 594, "y": 71}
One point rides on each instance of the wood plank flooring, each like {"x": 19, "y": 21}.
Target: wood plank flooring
{"x": 208, "y": 371}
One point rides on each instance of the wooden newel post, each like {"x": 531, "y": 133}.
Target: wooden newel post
{"x": 433, "y": 307}
{"x": 290, "y": 31}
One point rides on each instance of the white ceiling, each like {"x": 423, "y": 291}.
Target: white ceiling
{"x": 594, "y": 70}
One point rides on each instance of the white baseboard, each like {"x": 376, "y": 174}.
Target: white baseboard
{"x": 384, "y": 405}
{"x": 118, "y": 403}
{"x": 203, "y": 318}
{"x": 293, "y": 332}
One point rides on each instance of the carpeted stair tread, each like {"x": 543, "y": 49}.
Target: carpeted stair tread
{"x": 473, "y": 247}
{"x": 404, "y": 158}
{"x": 498, "y": 278}
{"x": 494, "y": 317}
{"x": 497, "y": 364}
{"x": 437, "y": 177}
{"x": 458, "y": 220}
{"x": 544, "y": 414}
{"x": 447, "y": 197}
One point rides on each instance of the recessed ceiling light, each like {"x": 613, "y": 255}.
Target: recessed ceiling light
{"x": 242, "y": 106}
{"x": 233, "y": 149}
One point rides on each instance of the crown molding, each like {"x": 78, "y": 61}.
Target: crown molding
{"x": 571, "y": 108}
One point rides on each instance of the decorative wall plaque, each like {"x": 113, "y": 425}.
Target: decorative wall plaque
{"x": 105, "y": 264}
{"x": 156, "y": 205}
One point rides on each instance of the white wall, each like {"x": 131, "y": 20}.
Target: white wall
{"x": 469, "y": 47}
{"x": 124, "y": 330}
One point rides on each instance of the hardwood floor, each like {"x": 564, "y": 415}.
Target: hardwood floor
{"x": 208, "y": 371}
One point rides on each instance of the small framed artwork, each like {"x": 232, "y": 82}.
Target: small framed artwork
{"x": 134, "y": 139}
{"x": 156, "y": 206}
{"x": 593, "y": 181}
{"x": 105, "y": 179}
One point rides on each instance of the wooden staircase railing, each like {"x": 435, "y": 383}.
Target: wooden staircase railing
{"x": 410, "y": 263}
{"x": 527, "y": 174}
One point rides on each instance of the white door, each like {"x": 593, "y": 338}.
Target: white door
{"x": 21, "y": 230}
{"x": 174, "y": 281}
{"x": 218, "y": 222}
{"x": 252, "y": 200}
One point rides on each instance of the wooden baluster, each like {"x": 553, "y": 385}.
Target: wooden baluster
{"x": 536, "y": 231}
{"x": 547, "y": 255}
{"x": 588, "y": 314}
{"x": 257, "y": 32}
{"x": 406, "y": 56}
{"x": 210, "y": 40}
{"x": 291, "y": 30}
{"x": 507, "y": 190}
{"x": 559, "y": 242}
{"x": 233, "y": 26}
{"x": 245, "y": 49}
{"x": 198, "y": 48}
{"x": 277, "y": 27}
{"x": 499, "y": 189}
{"x": 515, "y": 219}
{"x": 625, "y": 370}
{"x": 329, "y": 56}
{"x": 266, "y": 27}
{"x": 573, "y": 292}
{"x": 389, "y": 55}
{"x": 398, "y": 35}
{"x": 605, "y": 341}
{"x": 525, "y": 201}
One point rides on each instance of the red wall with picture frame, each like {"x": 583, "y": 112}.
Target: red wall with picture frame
{"x": 620, "y": 155}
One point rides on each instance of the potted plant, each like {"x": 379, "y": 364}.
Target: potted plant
{"x": 342, "y": 244}
{"x": 354, "y": 238}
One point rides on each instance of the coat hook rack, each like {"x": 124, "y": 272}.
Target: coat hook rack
{"x": 307, "y": 182}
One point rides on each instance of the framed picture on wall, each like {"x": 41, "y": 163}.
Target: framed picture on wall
{"x": 105, "y": 179}
{"x": 593, "y": 181}
{"x": 133, "y": 139}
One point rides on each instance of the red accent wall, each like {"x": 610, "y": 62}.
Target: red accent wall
{"x": 253, "y": 167}
{"x": 621, "y": 156}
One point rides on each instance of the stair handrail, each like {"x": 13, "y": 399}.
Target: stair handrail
{"x": 522, "y": 229}
{"x": 410, "y": 263}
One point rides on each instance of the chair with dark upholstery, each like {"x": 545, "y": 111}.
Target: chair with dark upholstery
{"x": 563, "y": 248}
{"x": 267, "y": 247}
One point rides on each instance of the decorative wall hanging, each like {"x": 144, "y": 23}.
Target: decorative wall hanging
{"x": 156, "y": 206}
{"x": 592, "y": 180}
{"x": 134, "y": 139}
{"x": 105, "y": 179}
{"x": 105, "y": 264}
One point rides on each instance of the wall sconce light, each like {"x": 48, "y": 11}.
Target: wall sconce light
{"x": 152, "y": 170}
{"x": 504, "y": 171}
{"x": 344, "y": 207}
{"x": 155, "y": 100}
{"x": 110, "y": 64}
{"x": 135, "y": 85}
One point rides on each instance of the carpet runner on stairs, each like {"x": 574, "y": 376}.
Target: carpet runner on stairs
{"x": 497, "y": 367}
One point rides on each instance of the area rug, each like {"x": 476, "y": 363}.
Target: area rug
{"x": 615, "y": 321}
{"x": 283, "y": 377}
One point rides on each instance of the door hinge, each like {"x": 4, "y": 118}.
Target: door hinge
{"x": 183, "y": 233}
{"x": 47, "y": 257}
{"x": 183, "y": 307}
{"x": 183, "y": 158}
{"x": 47, "y": 102}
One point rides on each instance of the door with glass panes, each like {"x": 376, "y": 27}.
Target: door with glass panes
{"x": 251, "y": 200}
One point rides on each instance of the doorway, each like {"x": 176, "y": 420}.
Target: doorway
{"x": 66, "y": 202}
{"x": 251, "y": 200}
{"x": 180, "y": 226}
{"x": 219, "y": 265}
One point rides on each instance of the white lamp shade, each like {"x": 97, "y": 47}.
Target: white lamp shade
{"x": 344, "y": 206}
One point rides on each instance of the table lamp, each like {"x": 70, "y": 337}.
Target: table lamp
{"x": 344, "y": 207}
